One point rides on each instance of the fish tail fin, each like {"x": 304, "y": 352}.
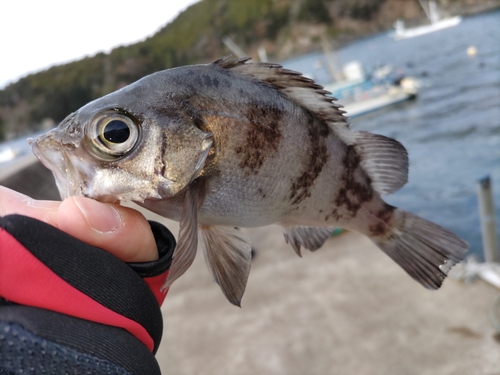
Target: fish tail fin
{"x": 423, "y": 249}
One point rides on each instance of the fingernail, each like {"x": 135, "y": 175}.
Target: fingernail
{"x": 100, "y": 217}
{"x": 53, "y": 205}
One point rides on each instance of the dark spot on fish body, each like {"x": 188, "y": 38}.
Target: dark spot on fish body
{"x": 197, "y": 83}
{"x": 209, "y": 81}
{"x": 378, "y": 229}
{"x": 324, "y": 129}
{"x": 333, "y": 214}
{"x": 262, "y": 138}
{"x": 384, "y": 216}
{"x": 354, "y": 192}
{"x": 261, "y": 193}
{"x": 386, "y": 213}
{"x": 300, "y": 189}
{"x": 351, "y": 204}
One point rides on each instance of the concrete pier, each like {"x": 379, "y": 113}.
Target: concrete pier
{"x": 345, "y": 309}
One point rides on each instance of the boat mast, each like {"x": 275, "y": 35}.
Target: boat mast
{"x": 427, "y": 9}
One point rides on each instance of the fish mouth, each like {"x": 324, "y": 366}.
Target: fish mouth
{"x": 57, "y": 161}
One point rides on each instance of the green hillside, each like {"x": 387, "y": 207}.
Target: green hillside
{"x": 284, "y": 27}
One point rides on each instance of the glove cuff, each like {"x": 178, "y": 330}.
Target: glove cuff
{"x": 155, "y": 273}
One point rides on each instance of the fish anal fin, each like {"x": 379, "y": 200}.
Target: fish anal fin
{"x": 187, "y": 245}
{"x": 228, "y": 256}
{"x": 311, "y": 238}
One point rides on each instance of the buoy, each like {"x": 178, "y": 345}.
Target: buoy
{"x": 472, "y": 51}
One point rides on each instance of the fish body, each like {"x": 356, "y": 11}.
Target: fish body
{"x": 237, "y": 144}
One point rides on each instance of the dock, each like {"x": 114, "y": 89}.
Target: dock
{"x": 344, "y": 309}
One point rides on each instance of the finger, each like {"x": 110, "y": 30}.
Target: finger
{"x": 12, "y": 202}
{"x": 122, "y": 231}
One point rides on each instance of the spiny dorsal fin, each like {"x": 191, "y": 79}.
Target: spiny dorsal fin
{"x": 312, "y": 238}
{"x": 302, "y": 90}
{"x": 228, "y": 254}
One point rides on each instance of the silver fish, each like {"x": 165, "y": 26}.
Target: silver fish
{"x": 239, "y": 144}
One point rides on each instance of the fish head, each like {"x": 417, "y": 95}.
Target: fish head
{"x": 132, "y": 144}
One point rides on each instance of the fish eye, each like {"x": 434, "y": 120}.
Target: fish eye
{"x": 113, "y": 134}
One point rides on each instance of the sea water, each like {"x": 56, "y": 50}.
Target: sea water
{"x": 452, "y": 129}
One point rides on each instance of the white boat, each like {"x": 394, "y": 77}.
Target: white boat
{"x": 6, "y": 153}
{"x": 360, "y": 95}
{"x": 391, "y": 95}
{"x": 437, "y": 22}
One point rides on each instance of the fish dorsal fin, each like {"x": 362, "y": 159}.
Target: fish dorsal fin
{"x": 383, "y": 159}
{"x": 228, "y": 254}
{"x": 185, "y": 251}
{"x": 302, "y": 90}
{"x": 311, "y": 238}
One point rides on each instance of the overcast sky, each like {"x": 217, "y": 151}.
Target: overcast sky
{"x": 36, "y": 34}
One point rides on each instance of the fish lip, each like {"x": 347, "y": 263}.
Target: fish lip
{"x": 58, "y": 164}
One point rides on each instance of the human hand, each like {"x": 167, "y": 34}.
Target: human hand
{"x": 122, "y": 231}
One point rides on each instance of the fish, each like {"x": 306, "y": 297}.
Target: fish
{"x": 234, "y": 144}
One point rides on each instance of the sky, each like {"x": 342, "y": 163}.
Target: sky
{"x": 35, "y": 35}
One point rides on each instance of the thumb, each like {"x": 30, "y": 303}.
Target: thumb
{"x": 122, "y": 231}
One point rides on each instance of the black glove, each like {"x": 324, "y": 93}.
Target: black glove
{"x": 70, "y": 308}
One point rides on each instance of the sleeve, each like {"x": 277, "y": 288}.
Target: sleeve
{"x": 43, "y": 267}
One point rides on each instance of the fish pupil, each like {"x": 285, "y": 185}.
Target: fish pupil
{"x": 116, "y": 131}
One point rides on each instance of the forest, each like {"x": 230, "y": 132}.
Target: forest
{"x": 285, "y": 28}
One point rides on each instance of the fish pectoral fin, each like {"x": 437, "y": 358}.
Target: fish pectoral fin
{"x": 228, "y": 254}
{"x": 311, "y": 238}
{"x": 185, "y": 251}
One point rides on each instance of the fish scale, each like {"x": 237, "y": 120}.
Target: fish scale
{"x": 240, "y": 144}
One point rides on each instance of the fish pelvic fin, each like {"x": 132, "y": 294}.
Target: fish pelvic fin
{"x": 228, "y": 255}
{"x": 311, "y": 238}
{"x": 423, "y": 249}
{"x": 187, "y": 245}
